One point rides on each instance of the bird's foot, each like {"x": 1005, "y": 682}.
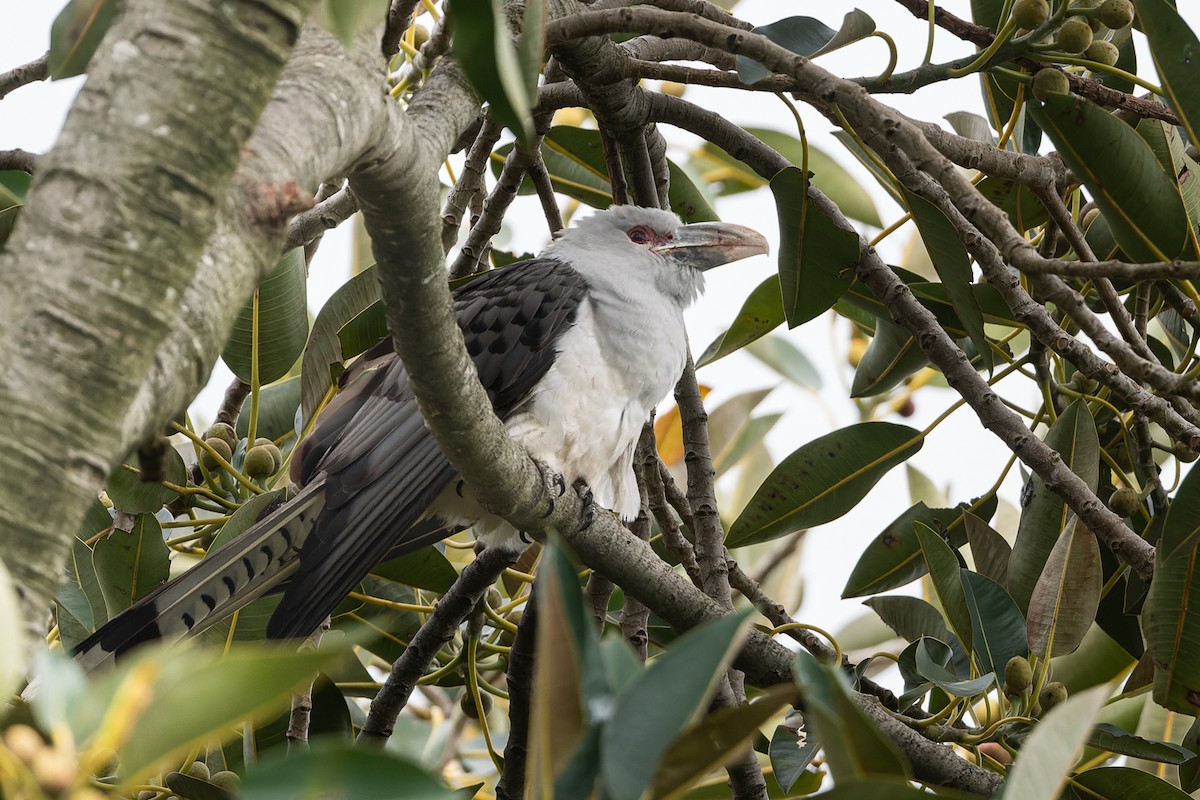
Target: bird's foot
{"x": 553, "y": 482}
{"x": 587, "y": 501}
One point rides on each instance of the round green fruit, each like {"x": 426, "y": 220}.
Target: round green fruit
{"x": 220, "y": 447}
{"x": 1116, "y": 14}
{"x": 1049, "y": 82}
{"x": 198, "y": 769}
{"x": 1074, "y": 36}
{"x": 223, "y": 431}
{"x": 467, "y": 704}
{"x": 229, "y": 781}
{"x": 1030, "y": 13}
{"x": 259, "y": 462}
{"x": 1102, "y": 52}
{"x": 1018, "y": 675}
{"x": 1124, "y": 502}
{"x": 1052, "y": 694}
{"x": 272, "y": 448}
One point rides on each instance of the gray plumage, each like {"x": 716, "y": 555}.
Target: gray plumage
{"x": 574, "y": 348}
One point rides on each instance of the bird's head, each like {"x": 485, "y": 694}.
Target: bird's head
{"x": 637, "y": 248}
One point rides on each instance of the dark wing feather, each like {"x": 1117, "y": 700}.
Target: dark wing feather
{"x": 381, "y": 466}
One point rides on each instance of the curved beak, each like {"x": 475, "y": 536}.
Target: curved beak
{"x": 704, "y": 245}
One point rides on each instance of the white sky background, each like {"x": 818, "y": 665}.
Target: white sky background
{"x": 959, "y": 456}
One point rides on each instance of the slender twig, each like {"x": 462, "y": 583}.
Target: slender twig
{"x": 451, "y": 610}
{"x": 470, "y": 181}
{"x": 327, "y": 214}
{"x": 511, "y": 785}
{"x": 18, "y": 159}
{"x": 298, "y": 720}
{"x": 32, "y": 72}
{"x": 399, "y": 17}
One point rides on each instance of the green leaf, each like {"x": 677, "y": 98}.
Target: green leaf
{"x": 570, "y": 675}
{"x": 75, "y": 35}
{"x": 1114, "y": 740}
{"x": 1171, "y": 623}
{"x": 713, "y": 740}
{"x": 891, "y": 357}
{"x": 760, "y": 314}
{"x": 997, "y": 627}
{"x": 324, "y": 350}
{"x": 427, "y": 568}
{"x": 491, "y": 64}
{"x": 650, "y": 713}
{"x": 282, "y": 323}
{"x": 804, "y": 36}
{"x": 221, "y": 691}
{"x": 14, "y": 188}
{"x": 944, "y": 570}
{"x": 910, "y": 617}
{"x": 816, "y": 257}
{"x": 785, "y": 358}
{"x": 990, "y": 551}
{"x": 1064, "y": 602}
{"x": 1044, "y": 516}
{"x": 1016, "y": 200}
{"x": 932, "y": 656}
{"x": 277, "y": 406}
{"x": 1050, "y": 752}
{"x": 12, "y": 629}
{"x": 1176, "y": 51}
{"x": 791, "y": 750}
{"x": 823, "y": 480}
{"x": 131, "y": 564}
{"x": 1140, "y": 201}
{"x": 195, "y": 789}
{"x": 1122, "y": 783}
{"x": 132, "y": 495}
{"x": 854, "y": 747}
{"x": 953, "y": 266}
{"x": 894, "y": 556}
{"x": 72, "y": 613}
{"x": 340, "y": 770}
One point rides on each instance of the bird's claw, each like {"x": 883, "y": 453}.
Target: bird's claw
{"x": 588, "y": 513}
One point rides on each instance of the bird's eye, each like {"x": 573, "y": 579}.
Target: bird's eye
{"x": 639, "y": 235}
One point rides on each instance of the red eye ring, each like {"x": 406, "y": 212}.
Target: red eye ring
{"x": 640, "y": 235}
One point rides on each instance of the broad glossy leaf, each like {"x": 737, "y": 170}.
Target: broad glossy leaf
{"x": 1049, "y": 754}
{"x": 804, "y": 36}
{"x": 743, "y": 444}
{"x": 823, "y": 480}
{"x": 221, "y": 691}
{"x": 854, "y": 747}
{"x": 788, "y": 360}
{"x": 972, "y": 126}
{"x": 131, "y": 564}
{"x": 14, "y": 188}
{"x": 12, "y": 628}
{"x": 1176, "y": 50}
{"x": 791, "y": 750}
{"x": 1024, "y": 210}
{"x": 1044, "y": 516}
{"x": 910, "y": 617}
{"x": 132, "y": 495}
{"x": 1140, "y": 201}
{"x": 894, "y": 556}
{"x": 932, "y": 656}
{"x": 953, "y": 266}
{"x": 816, "y": 257}
{"x": 282, "y": 323}
{"x": 1111, "y": 738}
{"x": 1171, "y": 622}
{"x": 942, "y": 564}
{"x": 427, "y": 568}
{"x": 997, "y": 627}
{"x": 990, "y": 551}
{"x": 323, "y": 350}
{"x": 339, "y": 770}
{"x": 728, "y": 425}
{"x": 713, "y": 741}
{"x": 75, "y": 35}
{"x": 650, "y": 712}
{"x": 1064, "y": 602}
{"x": 1121, "y": 783}
{"x": 73, "y": 615}
{"x": 760, "y": 314}
{"x": 891, "y": 357}
{"x": 277, "y": 405}
{"x": 490, "y": 62}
